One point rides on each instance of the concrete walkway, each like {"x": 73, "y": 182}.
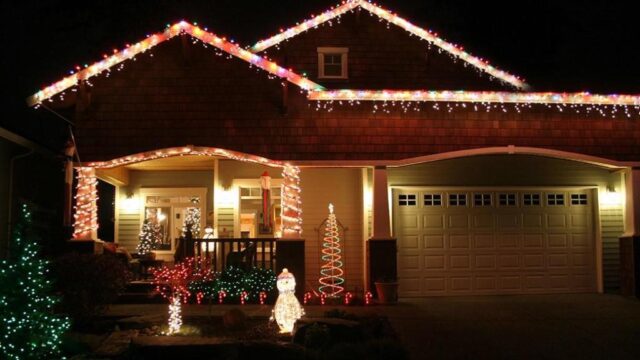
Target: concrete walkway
{"x": 581, "y": 326}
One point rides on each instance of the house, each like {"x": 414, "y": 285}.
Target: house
{"x": 24, "y": 163}
{"x": 446, "y": 171}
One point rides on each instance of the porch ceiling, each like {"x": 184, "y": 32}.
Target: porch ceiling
{"x": 187, "y": 162}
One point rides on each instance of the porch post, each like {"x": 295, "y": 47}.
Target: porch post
{"x": 291, "y": 247}
{"x": 381, "y": 247}
{"x": 630, "y": 240}
{"x": 291, "y": 203}
{"x": 85, "y": 226}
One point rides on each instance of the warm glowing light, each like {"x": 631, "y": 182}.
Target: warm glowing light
{"x": 610, "y": 198}
{"x": 86, "y": 216}
{"x": 423, "y": 34}
{"x": 368, "y": 296}
{"x": 175, "y": 315}
{"x": 475, "y": 97}
{"x": 226, "y": 197}
{"x": 287, "y": 309}
{"x": 130, "y": 205}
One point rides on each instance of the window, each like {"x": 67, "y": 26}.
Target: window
{"x": 555, "y": 199}
{"x": 578, "y": 199}
{"x": 531, "y": 199}
{"x": 457, "y": 199}
{"x": 432, "y": 200}
{"x": 507, "y": 199}
{"x": 482, "y": 199}
{"x": 332, "y": 62}
{"x": 407, "y": 200}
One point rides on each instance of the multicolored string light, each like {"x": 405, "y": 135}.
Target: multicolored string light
{"x": 331, "y": 272}
{"x": 389, "y": 16}
{"x": 130, "y": 51}
{"x": 291, "y": 202}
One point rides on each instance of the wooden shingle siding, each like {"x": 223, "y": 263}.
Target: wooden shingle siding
{"x": 612, "y": 225}
{"x": 159, "y": 102}
{"x": 380, "y": 57}
{"x": 128, "y": 231}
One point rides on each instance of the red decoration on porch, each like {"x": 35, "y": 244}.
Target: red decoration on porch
{"x": 323, "y": 298}
{"x": 262, "y": 297}
{"x": 221, "y": 296}
{"x": 265, "y": 184}
{"x": 244, "y": 296}
{"x": 199, "y": 297}
{"x": 307, "y": 297}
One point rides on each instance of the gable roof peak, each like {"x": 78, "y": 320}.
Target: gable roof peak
{"x": 427, "y": 35}
{"x": 181, "y": 27}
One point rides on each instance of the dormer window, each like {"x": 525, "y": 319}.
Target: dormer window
{"x": 332, "y": 62}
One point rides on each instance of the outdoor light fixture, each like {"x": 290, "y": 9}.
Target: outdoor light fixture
{"x": 130, "y": 204}
{"x": 611, "y": 197}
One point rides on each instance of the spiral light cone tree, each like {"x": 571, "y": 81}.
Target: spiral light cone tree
{"x": 331, "y": 272}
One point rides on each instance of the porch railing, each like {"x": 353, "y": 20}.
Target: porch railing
{"x": 246, "y": 253}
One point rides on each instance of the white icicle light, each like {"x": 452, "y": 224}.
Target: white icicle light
{"x": 175, "y": 315}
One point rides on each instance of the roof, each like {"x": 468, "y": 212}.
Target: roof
{"x": 389, "y": 16}
{"x": 153, "y": 40}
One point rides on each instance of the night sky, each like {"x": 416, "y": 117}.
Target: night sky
{"x": 555, "y": 45}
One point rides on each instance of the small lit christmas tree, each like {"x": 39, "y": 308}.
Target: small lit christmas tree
{"x": 28, "y": 327}
{"x": 331, "y": 272}
{"x": 149, "y": 238}
{"x": 191, "y": 221}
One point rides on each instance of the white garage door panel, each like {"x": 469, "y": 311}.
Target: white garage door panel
{"x": 494, "y": 248}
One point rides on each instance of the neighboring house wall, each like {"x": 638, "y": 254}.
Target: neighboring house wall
{"x": 381, "y": 56}
{"x": 522, "y": 170}
{"x": 342, "y": 188}
{"x": 6, "y": 151}
{"x": 129, "y": 222}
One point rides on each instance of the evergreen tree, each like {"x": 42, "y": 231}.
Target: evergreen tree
{"x": 191, "y": 222}
{"x": 149, "y": 238}
{"x": 28, "y": 327}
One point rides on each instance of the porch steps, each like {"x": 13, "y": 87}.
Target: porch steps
{"x": 140, "y": 292}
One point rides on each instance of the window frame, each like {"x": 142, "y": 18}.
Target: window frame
{"x": 344, "y": 58}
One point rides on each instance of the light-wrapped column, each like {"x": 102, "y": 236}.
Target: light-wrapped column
{"x": 291, "y": 203}
{"x": 85, "y": 226}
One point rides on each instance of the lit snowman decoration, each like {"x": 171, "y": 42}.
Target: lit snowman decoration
{"x": 287, "y": 310}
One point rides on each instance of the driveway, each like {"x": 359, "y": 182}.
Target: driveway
{"x": 576, "y": 326}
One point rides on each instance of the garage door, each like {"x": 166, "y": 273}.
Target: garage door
{"x": 492, "y": 241}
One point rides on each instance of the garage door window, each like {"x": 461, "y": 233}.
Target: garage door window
{"x": 578, "y": 199}
{"x": 407, "y": 200}
{"x": 432, "y": 200}
{"x": 457, "y": 199}
{"x": 507, "y": 199}
{"x": 555, "y": 199}
{"x": 531, "y": 199}
{"x": 482, "y": 199}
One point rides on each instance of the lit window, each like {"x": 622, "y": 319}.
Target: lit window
{"x": 332, "y": 62}
{"x": 482, "y": 199}
{"x": 407, "y": 200}
{"x": 432, "y": 200}
{"x": 457, "y": 199}
{"x": 578, "y": 199}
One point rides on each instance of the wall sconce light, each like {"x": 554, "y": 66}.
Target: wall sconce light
{"x": 611, "y": 197}
{"x": 130, "y": 204}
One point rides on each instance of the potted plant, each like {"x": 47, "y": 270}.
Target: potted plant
{"x": 387, "y": 289}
